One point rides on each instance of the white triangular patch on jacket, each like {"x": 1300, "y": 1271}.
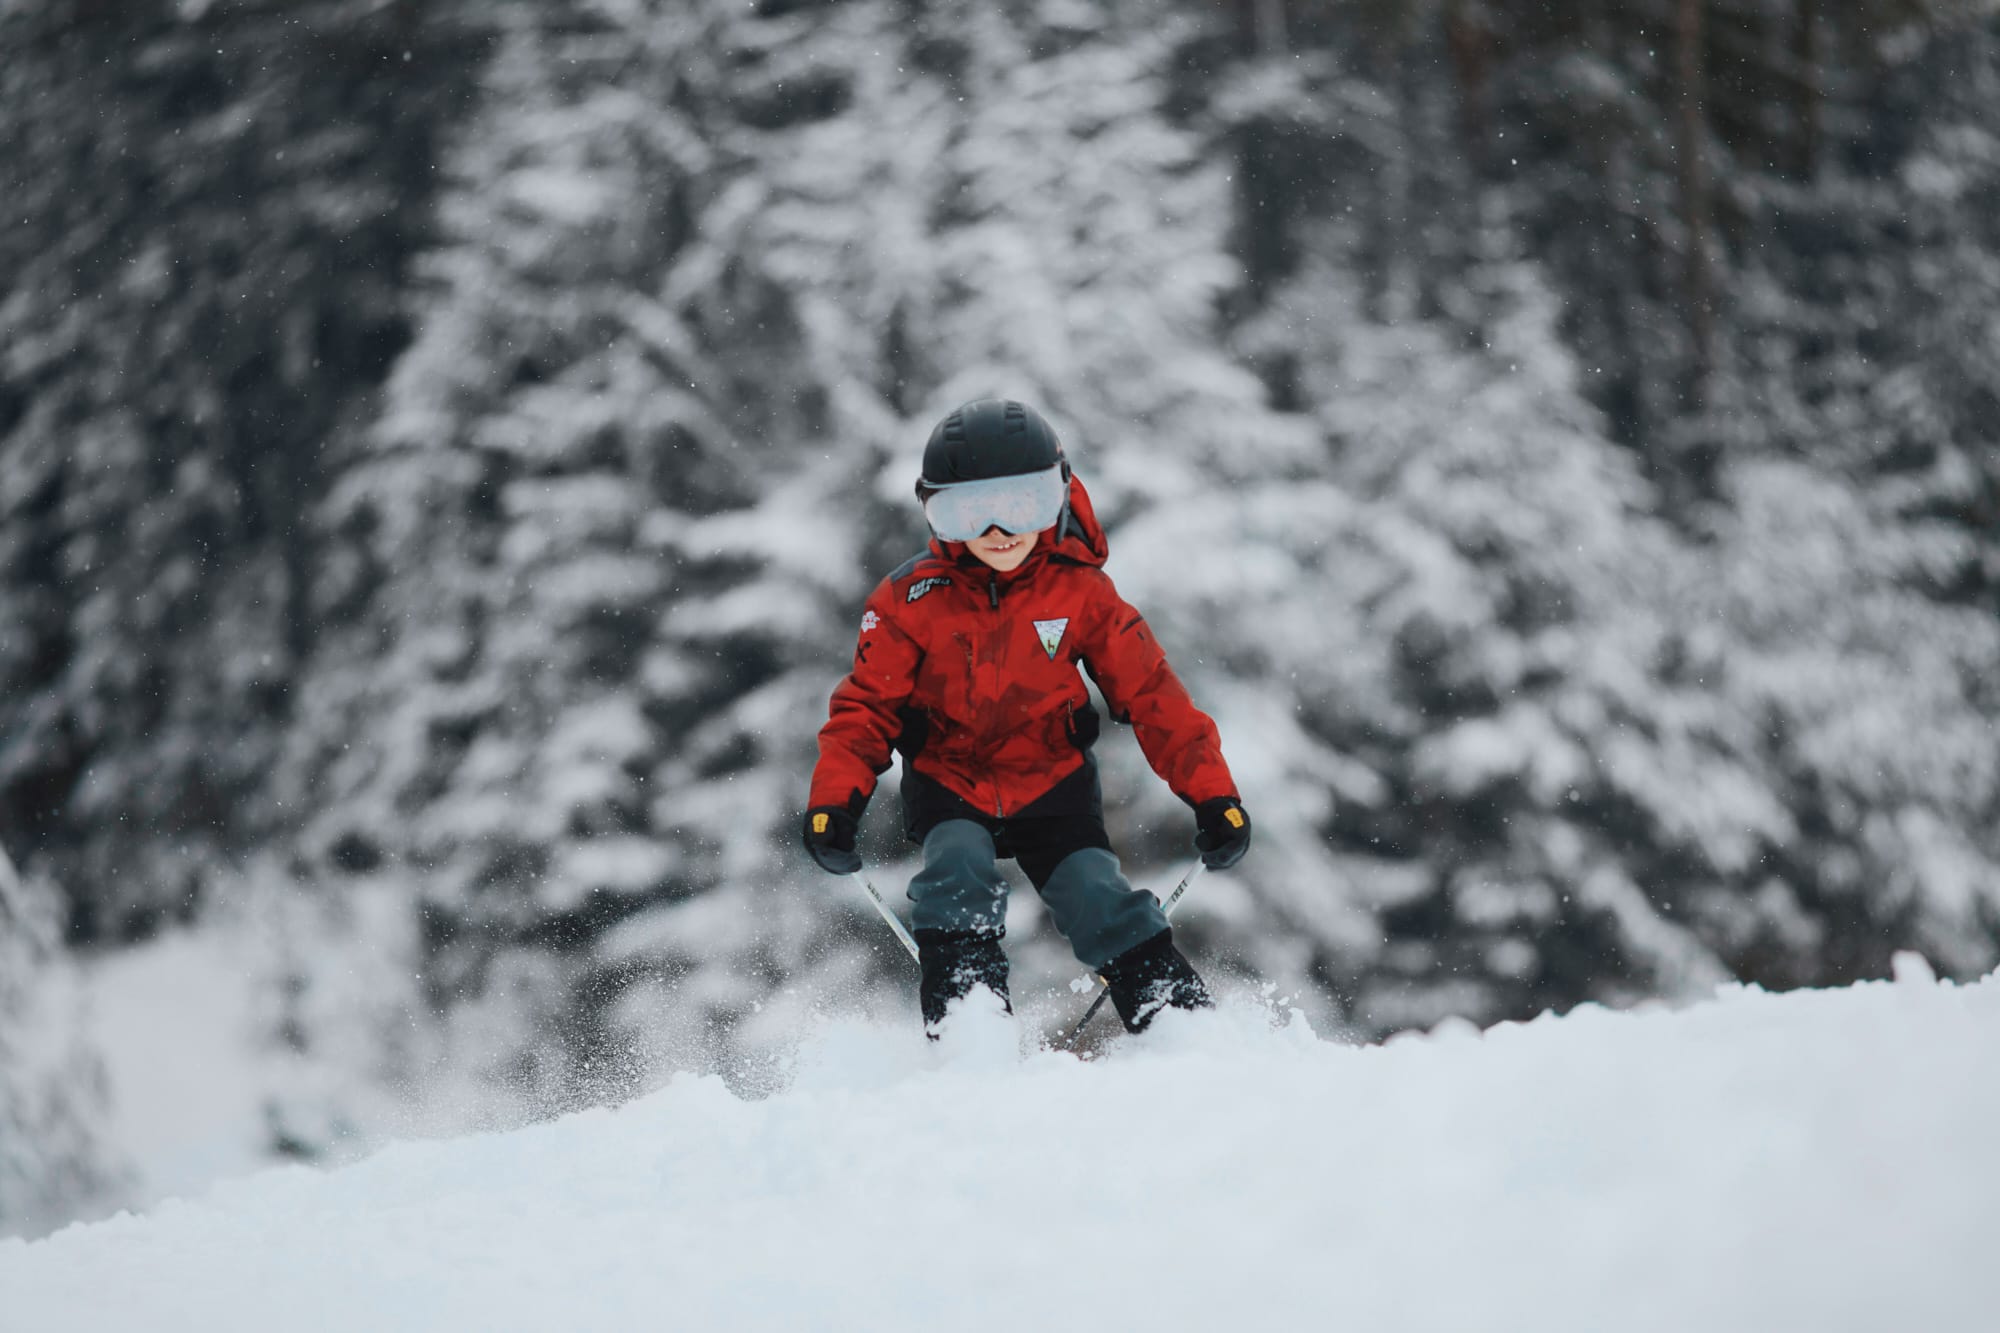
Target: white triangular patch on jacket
{"x": 1051, "y": 632}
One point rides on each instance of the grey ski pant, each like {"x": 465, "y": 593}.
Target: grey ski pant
{"x": 1093, "y": 905}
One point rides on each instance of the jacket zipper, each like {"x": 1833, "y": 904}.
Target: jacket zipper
{"x": 993, "y": 601}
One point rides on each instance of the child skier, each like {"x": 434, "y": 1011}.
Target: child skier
{"x": 967, "y": 664}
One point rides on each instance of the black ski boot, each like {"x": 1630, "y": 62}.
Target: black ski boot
{"x": 1149, "y": 976}
{"x": 954, "y": 961}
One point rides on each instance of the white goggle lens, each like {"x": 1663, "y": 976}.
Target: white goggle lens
{"x": 1025, "y": 503}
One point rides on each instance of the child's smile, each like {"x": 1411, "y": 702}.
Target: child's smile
{"x": 1003, "y": 551}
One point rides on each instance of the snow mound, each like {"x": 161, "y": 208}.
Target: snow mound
{"x": 1818, "y": 1160}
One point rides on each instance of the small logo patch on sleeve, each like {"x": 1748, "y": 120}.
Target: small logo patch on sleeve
{"x": 869, "y": 620}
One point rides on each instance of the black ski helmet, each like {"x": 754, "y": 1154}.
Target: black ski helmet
{"x": 992, "y": 437}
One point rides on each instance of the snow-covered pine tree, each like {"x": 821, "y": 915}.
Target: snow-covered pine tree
{"x": 210, "y": 209}
{"x": 1456, "y": 627}
{"x": 1853, "y": 592}
{"x": 600, "y": 524}
{"x": 1711, "y": 805}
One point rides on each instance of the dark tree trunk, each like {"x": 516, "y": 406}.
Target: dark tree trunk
{"x": 1469, "y": 38}
{"x": 1808, "y": 128}
{"x": 1697, "y": 206}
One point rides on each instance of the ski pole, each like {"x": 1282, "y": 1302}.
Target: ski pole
{"x": 895, "y": 922}
{"x": 1104, "y": 989}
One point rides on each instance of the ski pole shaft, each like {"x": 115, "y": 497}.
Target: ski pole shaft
{"x": 1103, "y": 990}
{"x": 888, "y": 915}
{"x": 1103, "y": 994}
{"x": 1167, "y": 907}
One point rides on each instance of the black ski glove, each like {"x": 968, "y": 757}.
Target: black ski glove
{"x": 1222, "y": 832}
{"x": 829, "y": 834}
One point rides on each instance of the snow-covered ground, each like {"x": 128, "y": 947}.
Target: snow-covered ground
{"x": 1816, "y": 1161}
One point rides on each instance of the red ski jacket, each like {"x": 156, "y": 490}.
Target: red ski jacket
{"x": 983, "y": 667}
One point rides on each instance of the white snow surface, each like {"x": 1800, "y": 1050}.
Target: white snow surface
{"x": 1819, "y": 1160}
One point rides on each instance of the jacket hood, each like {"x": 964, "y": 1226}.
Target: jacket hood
{"x": 1084, "y": 542}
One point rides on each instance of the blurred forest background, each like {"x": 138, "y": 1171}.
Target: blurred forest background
{"x": 444, "y": 448}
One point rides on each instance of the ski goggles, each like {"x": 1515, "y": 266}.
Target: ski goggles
{"x": 1027, "y": 502}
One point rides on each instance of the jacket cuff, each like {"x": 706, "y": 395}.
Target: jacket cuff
{"x": 822, "y": 795}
